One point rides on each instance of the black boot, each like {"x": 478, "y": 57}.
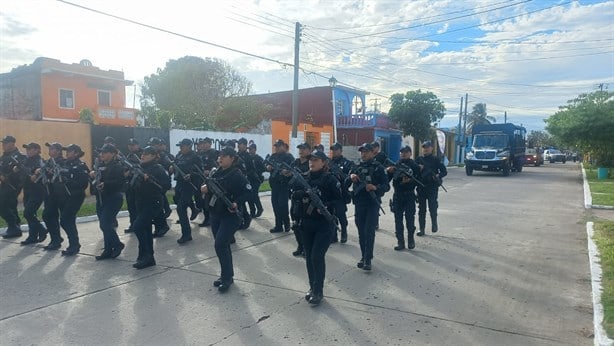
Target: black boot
{"x": 400, "y": 246}
{"x": 344, "y": 236}
{"x": 420, "y": 233}
{"x": 410, "y": 240}
{"x": 434, "y": 227}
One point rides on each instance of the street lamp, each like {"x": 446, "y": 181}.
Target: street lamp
{"x": 332, "y": 82}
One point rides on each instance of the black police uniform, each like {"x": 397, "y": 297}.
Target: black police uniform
{"x": 247, "y": 168}
{"x": 404, "y": 203}
{"x": 366, "y": 208}
{"x": 341, "y": 167}
{"x": 184, "y": 189}
{"x": 382, "y": 158}
{"x": 280, "y": 193}
{"x": 33, "y": 196}
{"x": 134, "y": 157}
{"x": 316, "y": 230}
{"x": 109, "y": 204}
{"x": 427, "y": 195}
{"x": 149, "y": 203}
{"x": 10, "y": 188}
{"x": 255, "y": 180}
{"x": 71, "y": 194}
{"x": 159, "y": 221}
{"x": 51, "y": 211}
{"x": 295, "y": 206}
{"x": 209, "y": 159}
{"x": 225, "y": 223}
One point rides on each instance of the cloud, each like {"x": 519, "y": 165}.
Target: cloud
{"x": 14, "y": 28}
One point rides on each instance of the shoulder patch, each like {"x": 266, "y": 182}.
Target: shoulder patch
{"x": 248, "y": 186}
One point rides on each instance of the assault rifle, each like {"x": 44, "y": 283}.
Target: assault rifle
{"x": 43, "y": 176}
{"x": 276, "y": 165}
{"x": 56, "y": 173}
{"x": 364, "y": 180}
{"x": 431, "y": 175}
{"x": 183, "y": 175}
{"x": 218, "y": 192}
{"x": 97, "y": 178}
{"x": 312, "y": 192}
{"x": 401, "y": 169}
{"x": 137, "y": 171}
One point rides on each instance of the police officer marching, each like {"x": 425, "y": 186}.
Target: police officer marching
{"x": 316, "y": 229}
{"x": 133, "y": 157}
{"x": 11, "y": 183}
{"x": 185, "y": 169}
{"x": 33, "y": 194}
{"x": 403, "y": 201}
{"x": 51, "y": 211}
{"x": 279, "y": 186}
{"x": 255, "y": 205}
{"x": 233, "y": 189}
{"x": 208, "y": 156}
{"x": 71, "y": 194}
{"x": 340, "y": 167}
{"x": 432, "y": 171}
{"x": 110, "y": 185}
{"x": 369, "y": 185}
{"x": 248, "y": 169}
{"x": 302, "y": 165}
{"x": 150, "y": 189}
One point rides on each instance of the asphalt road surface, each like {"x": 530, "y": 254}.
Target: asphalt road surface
{"x": 508, "y": 267}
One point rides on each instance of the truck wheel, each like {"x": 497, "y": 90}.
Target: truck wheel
{"x": 519, "y": 168}
{"x": 469, "y": 170}
{"x": 506, "y": 169}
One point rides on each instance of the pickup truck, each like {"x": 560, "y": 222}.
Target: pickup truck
{"x": 554, "y": 155}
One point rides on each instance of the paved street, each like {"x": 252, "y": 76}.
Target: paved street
{"x": 508, "y": 267}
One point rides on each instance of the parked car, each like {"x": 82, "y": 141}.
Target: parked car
{"x": 533, "y": 157}
{"x": 554, "y": 155}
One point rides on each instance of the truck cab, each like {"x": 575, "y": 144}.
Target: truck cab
{"x": 496, "y": 147}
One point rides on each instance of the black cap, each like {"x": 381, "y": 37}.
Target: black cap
{"x": 149, "y": 150}
{"x": 228, "y": 151}
{"x": 155, "y": 141}
{"x": 253, "y": 146}
{"x": 320, "y": 147}
{"x": 336, "y": 146}
{"x": 375, "y": 144}
{"x": 242, "y": 140}
{"x": 316, "y": 154}
{"x": 54, "y": 145}
{"x": 427, "y": 144}
{"x": 132, "y": 141}
{"x": 73, "y": 147}
{"x": 32, "y": 146}
{"x": 108, "y": 148}
{"x": 205, "y": 140}
{"x": 279, "y": 142}
{"x": 109, "y": 139}
{"x": 303, "y": 146}
{"x": 185, "y": 141}
{"x": 9, "y": 139}
{"x": 405, "y": 149}
{"x": 366, "y": 146}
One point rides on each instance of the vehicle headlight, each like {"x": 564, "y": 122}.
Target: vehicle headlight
{"x": 469, "y": 155}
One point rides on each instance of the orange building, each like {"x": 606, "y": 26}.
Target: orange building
{"x": 51, "y": 90}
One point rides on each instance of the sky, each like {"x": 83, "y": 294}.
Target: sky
{"x": 521, "y": 57}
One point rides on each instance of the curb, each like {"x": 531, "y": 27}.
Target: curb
{"x": 122, "y": 213}
{"x": 601, "y": 338}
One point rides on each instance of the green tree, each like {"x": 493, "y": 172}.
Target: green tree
{"x": 587, "y": 122}
{"x": 479, "y": 116}
{"x": 241, "y": 112}
{"x": 416, "y": 112}
{"x": 537, "y": 139}
{"x": 192, "y": 90}
{"x": 86, "y": 116}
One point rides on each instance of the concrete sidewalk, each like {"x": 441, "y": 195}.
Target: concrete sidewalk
{"x": 450, "y": 290}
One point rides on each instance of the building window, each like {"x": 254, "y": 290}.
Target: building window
{"x": 67, "y": 99}
{"x": 104, "y": 98}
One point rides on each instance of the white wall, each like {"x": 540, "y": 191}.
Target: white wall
{"x": 264, "y": 143}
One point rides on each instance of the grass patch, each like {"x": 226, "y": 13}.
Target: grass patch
{"x": 265, "y": 186}
{"x": 602, "y": 191}
{"x": 604, "y": 238}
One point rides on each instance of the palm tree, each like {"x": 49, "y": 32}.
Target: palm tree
{"x": 478, "y": 116}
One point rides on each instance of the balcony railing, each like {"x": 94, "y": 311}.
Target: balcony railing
{"x": 365, "y": 120}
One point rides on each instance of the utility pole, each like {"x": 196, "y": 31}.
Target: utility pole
{"x": 375, "y": 104}
{"x": 297, "y": 40}
{"x": 464, "y": 144}
{"x": 505, "y": 117}
{"x": 460, "y": 135}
